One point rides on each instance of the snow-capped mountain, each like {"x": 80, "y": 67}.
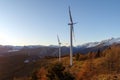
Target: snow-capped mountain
{"x": 88, "y": 45}
{"x": 107, "y": 42}
{"x": 110, "y": 41}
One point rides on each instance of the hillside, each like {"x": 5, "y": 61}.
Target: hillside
{"x": 91, "y": 66}
{"x": 101, "y": 60}
{"x": 94, "y": 65}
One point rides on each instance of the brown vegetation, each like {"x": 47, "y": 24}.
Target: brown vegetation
{"x": 99, "y": 65}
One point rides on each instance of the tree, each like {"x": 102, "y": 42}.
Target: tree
{"x": 57, "y": 72}
{"x": 81, "y": 57}
{"x": 34, "y": 75}
{"x": 77, "y": 57}
{"x": 98, "y": 54}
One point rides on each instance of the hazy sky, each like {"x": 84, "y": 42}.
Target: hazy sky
{"x": 37, "y": 22}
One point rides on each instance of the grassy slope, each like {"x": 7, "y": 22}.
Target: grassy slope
{"x": 15, "y": 68}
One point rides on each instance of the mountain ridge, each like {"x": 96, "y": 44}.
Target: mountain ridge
{"x": 52, "y": 50}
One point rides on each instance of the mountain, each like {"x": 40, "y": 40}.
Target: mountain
{"x": 4, "y": 49}
{"x": 95, "y": 46}
{"x": 102, "y": 43}
{"x": 52, "y": 50}
{"x": 88, "y": 45}
{"x": 110, "y": 41}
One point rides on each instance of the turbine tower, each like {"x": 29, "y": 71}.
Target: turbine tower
{"x": 59, "y": 43}
{"x": 71, "y": 37}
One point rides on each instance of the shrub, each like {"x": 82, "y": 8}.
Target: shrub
{"x": 34, "y": 75}
{"x": 81, "y": 57}
{"x": 57, "y": 72}
{"x": 77, "y": 56}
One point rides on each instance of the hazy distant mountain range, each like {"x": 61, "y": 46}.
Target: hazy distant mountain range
{"x": 106, "y": 42}
{"x": 53, "y": 49}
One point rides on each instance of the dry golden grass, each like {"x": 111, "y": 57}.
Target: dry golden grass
{"x": 89, "y": 69}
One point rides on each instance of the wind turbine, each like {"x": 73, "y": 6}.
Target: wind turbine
{"x": 59, "y": 43}
{"x": 71, "y": 37}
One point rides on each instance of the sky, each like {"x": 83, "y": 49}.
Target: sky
{"x": 38, "y": 22}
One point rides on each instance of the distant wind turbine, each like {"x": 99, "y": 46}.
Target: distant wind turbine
{"x": 71, "y": 37}
{"x": 59, "y": 43}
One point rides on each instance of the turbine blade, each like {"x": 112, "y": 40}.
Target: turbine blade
{"x": 73, "y": 34}
{"x": 58, "y": 39}
{"x": 70, "y": 15}
{"x": 75, "y": 23}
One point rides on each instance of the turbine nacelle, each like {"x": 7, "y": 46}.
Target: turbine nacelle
{"x": 71, "y": 23}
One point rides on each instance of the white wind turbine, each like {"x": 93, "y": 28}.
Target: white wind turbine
{"x": 59, "y": 43}
{"x": 71, "y": 37}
